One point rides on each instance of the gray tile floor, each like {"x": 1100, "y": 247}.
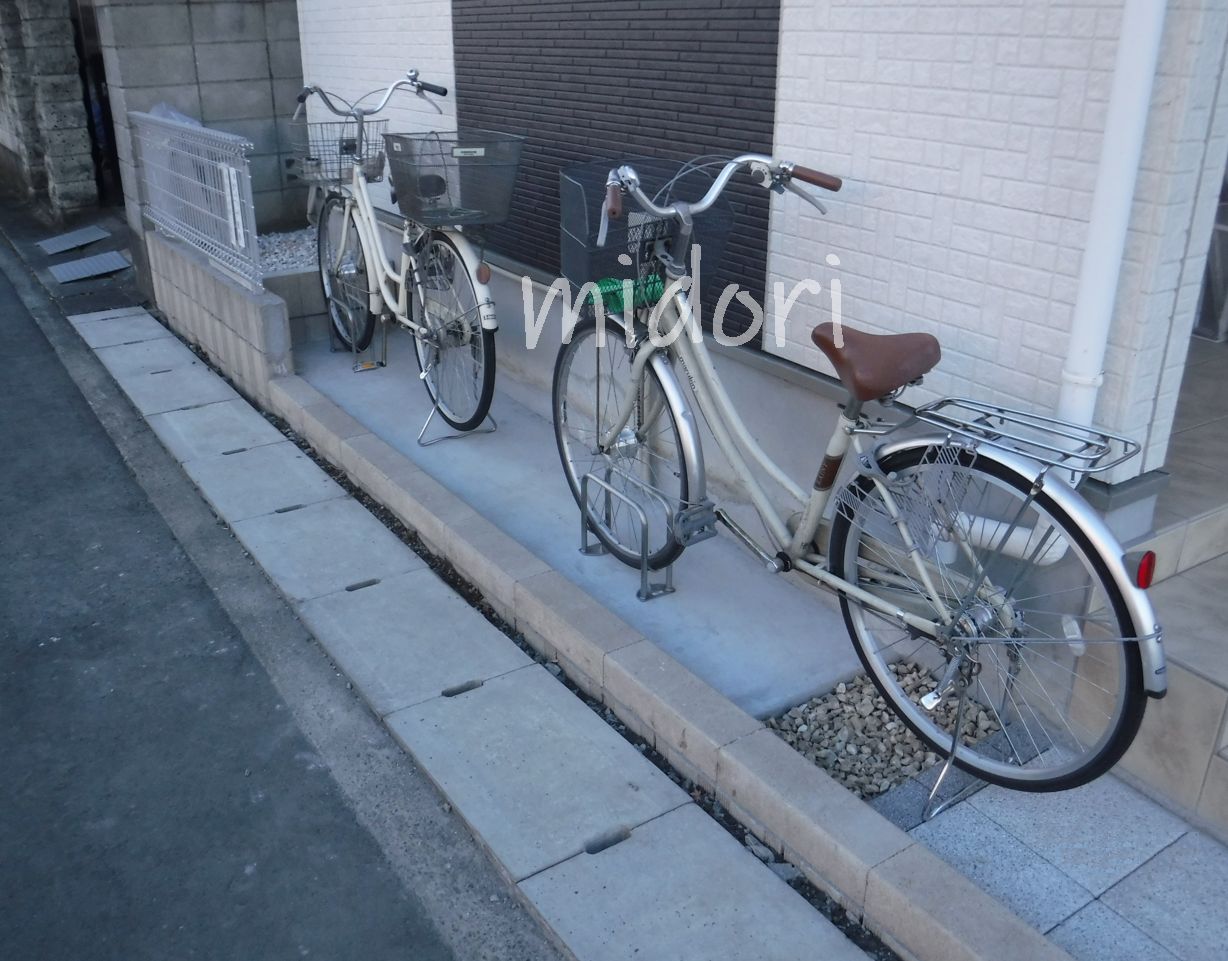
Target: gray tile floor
{"x": 1107, "y": 873}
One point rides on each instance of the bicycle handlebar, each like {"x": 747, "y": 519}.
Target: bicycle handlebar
{"x": 410, "y": 81}
{"x": 776, "y": 171}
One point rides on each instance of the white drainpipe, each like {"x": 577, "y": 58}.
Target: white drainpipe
{"x": 1129, "y": 104}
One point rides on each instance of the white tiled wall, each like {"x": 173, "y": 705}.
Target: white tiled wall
{"x": 355, "y": 46}
{"x": 1183, "y": 169}
{"x": 969, "y": 136}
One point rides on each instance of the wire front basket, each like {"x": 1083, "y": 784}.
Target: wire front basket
{"x": 326, "y": 152}
{"x": 454, "y": 179}
{"x": 627, "y": 251}
{"x": 1053, "y": 442}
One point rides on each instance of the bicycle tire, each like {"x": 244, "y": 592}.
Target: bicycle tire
{"x": 1027, "y": 627}
{"x": 334, "y": 230}
{"x": 577, "y": 403}
{"x": 457, "y": 356}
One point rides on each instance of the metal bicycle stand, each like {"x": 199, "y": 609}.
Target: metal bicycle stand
{"x": 336, "y": 346}
{"x": 456, "y": 435}
{"x": 648, "y": 589}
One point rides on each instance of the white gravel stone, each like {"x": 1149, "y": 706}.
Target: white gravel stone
{"x": 286, "y": 252}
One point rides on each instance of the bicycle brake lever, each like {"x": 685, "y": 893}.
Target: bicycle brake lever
{"x": 806, "y": 196}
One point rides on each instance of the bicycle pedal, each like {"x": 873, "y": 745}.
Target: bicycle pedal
{"x": 695, "y": 523}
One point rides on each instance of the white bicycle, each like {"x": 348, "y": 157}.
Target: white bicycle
{"x": 962, "y": 552}
{"x": 443, "y": 183}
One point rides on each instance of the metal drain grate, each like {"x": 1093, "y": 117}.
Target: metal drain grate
{"x": 74, "y": 238}
{"x": 94, "y": 266}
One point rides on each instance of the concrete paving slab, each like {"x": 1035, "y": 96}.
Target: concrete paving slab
{"x": 79, "y": 320}
{"x": 541, "y": 776}
{"x": 176, "y": 390}
{"x": 408, "y": 639}
{"x": 213, "y": 429}
{"x": 681, "y": 888}
{"x": 797, "y": 808}
{"x": 130, "y": 360}
{"x": 324, "y": 547}
{"x": 1178, "y": 898}
{"x": 1002, "y": 866}
{"x": 929, "y": 911}
{"x": 1095, "y": 834}
{"x": 768, "y": 646}
{"x": 261, "y": 480}
{"x": 126, "y": 329}
{"x": 1097, "y": 933}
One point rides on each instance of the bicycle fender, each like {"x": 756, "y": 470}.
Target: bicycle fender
{"x": 486, "y": 303}
{"x": 1092, "y": 525}
{"x": 688, "y": 428}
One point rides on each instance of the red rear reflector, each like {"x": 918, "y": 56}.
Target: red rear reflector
{"x": 1146, "y": 569}
{"x": 483, "y": 273}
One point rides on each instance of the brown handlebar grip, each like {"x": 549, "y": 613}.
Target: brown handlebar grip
{"x": 614, "y": 201}
{"x": 816, "y": 177}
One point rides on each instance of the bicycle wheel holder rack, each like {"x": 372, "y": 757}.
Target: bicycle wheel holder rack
{"x": 648, "y": 590}
{"x": 336, "y": 346}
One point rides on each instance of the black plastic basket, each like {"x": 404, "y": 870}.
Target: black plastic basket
{"x": 453, "y": 179}
{"x": 632, "y": 237}
{"x": 326, "y": 152}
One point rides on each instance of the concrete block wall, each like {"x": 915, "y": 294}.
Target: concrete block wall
{"x": 44, "y": 137}
{"x": 235, "y": 66}
{"x": 245, "y": 332}
{"x": 970, "y": 139}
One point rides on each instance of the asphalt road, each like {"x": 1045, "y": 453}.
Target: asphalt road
{"x": 162, "y": 797}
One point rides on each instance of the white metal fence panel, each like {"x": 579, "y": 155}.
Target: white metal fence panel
{"x": 196, "y": 185}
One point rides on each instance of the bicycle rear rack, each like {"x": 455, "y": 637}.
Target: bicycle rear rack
{"x": 1047, "y": 440}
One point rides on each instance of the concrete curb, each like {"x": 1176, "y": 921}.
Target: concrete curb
{"x": 919, "y": 905}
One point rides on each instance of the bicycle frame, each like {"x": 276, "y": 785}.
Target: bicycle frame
{"x": 392, "y": 286}
{"x": 678, "y": 337}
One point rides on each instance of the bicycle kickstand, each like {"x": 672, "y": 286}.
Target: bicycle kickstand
{"x": 934, "y": 807}
{"x": 494, "y": 426}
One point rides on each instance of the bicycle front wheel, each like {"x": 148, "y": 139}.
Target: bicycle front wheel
{"x": 343, "y": 275}
{"x": 456, "y": 354}
{"x": 1027, "y": 618}
{"x": 644, "y": 464}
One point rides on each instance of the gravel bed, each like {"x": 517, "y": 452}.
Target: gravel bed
{"x": 855, "y": 737}
{"x": 290, "y": 251}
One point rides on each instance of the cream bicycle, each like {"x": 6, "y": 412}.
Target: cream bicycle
{"x": 444, "y": 184}
{"x": 962, "y": 551}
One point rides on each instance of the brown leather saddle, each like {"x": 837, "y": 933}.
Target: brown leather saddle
{"x": 873, "y": 365}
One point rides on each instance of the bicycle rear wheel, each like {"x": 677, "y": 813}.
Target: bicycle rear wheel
{"x": 592, "y": 377}
{"x": 1038, "y": 629}
{"x": 456, "y": 354}
{"x": 343, "y": 275}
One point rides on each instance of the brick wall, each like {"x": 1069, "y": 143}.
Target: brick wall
{"x": 235, "y": 66}
{"x": 970, "y": 139}
{"x": 43, "y": 132}
{"x": 589, "y": 80}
